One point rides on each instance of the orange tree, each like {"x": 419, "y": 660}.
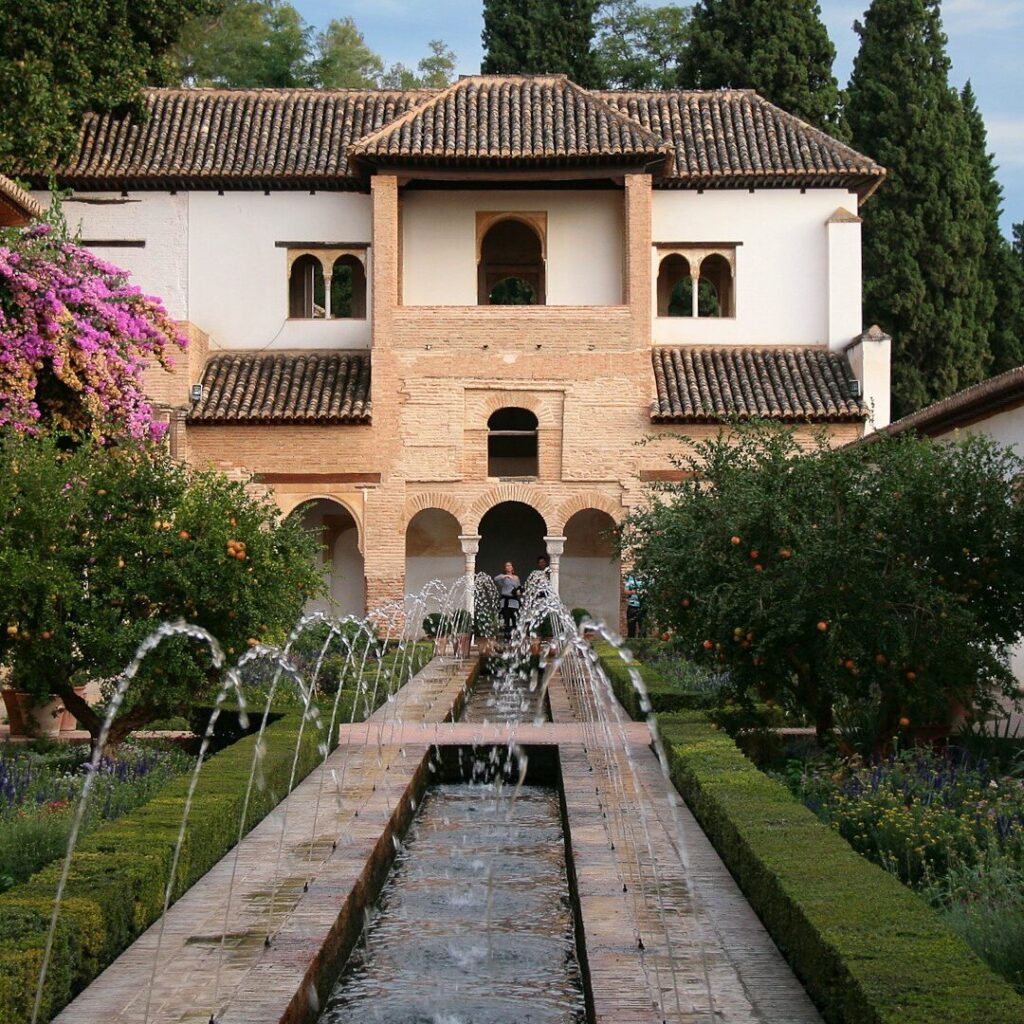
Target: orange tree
{"x": 885, "y": 578}
{"x": 99, "y": 545}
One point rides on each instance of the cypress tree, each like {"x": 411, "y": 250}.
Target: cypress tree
{"x": 1004, "y": 271}
{"x": 533, "y": 37}
{"x": 781, "y": 48}
{"x": 924, "y": 232}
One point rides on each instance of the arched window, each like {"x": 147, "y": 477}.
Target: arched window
{"x": 674, "y": 284}
{"x": 511, "y": 270}
{"x": 348, "y": 289}
{"x": 716, "y": 281}
{"x": 512, "y": 443}
{"x": 306, "y": 289}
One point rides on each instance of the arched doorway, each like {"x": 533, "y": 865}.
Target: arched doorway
{"x": 590, "y": 574}
{"x": 340, "y": 557}
{"x": 432, "y": 550}
{"x": 511, "y": 532}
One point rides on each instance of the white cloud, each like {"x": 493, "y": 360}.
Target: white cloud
{"x": 968, "y": 16}
{"x": 1006, "y": 138}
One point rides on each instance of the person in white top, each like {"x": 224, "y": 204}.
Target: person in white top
{"x": 509, "y": 590}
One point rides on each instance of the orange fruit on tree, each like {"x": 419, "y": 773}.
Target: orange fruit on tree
{"x": 822, "y": 626}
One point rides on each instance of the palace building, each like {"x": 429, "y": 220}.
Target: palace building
{"x": 437, "y": 324}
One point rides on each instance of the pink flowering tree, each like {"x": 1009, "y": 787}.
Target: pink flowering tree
{"x": 75, "y": 338}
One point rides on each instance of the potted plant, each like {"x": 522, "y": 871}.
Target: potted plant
{"x": 28, "y": 716}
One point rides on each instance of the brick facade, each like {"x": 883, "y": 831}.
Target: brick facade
{"x": 438, "y": 372}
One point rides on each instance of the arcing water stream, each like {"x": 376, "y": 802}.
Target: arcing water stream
{"x": 547, "y": 838}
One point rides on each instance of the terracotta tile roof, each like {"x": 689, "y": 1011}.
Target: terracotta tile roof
{"x": 991, "y": 396}
{"x": 23, "y": 206}
{"x": 700, "y": 385}
{"x": 274, "y": 387}
{"x": 223, "y": 137}
{"x": 302, "y": 138}
{"x": 734, "y": 138}
{"x": 530, "y": 119}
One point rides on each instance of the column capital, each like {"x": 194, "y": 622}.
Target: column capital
{"x": 470, "y": 543}
{"x": 555, "y": 545}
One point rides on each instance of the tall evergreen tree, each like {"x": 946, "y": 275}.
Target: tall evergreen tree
{"x": 924, "y": 232}
{"x": 541, "y": 37}
{"x": 781, "y": 48}
{"x": 1003, "y": 270}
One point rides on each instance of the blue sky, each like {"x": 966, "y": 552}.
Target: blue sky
{"x": 986, "y": 44}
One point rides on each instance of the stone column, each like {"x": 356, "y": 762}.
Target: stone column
{"x": 470, "y": 546}
{"x": 555, "y": 547}
{"x": 695, "y": 286}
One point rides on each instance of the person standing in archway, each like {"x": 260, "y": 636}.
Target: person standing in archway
{"x": 509, "y": 590}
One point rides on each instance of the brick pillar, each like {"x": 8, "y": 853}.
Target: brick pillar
{"x": 638, "y": 256}
{"x": 384, "y": 190}
{"x": 384, "y": 530}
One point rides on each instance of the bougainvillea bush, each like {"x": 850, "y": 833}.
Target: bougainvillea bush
{"x": 99, "y": 544}
{"x": 886, "y": 578}
{"x": 75, "y": 338}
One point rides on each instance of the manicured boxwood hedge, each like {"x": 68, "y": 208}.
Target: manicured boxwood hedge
{"x": 663, "y": 696}
{"x": 116, "y": 886}
{"x": 868, "y": 949}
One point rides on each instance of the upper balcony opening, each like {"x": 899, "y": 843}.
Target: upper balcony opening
{"x": 512, "y": 443}
{"x": 511, "y": 267}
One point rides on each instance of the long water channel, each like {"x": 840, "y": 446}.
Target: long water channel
{"x": 475, "y": 923}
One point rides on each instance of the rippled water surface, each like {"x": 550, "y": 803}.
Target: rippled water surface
{"x": 506, "y": 698}
{"x": 474, "y": 925}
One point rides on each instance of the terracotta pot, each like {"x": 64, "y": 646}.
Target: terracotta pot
{"x": 488, "y": 645}
{"x": 29, "y": 719}
{"x": 460, "y": 645}
{"x": 535, "y": 646}
{"x": 15, "y": 701}
{"x": 440, "y": 646}
{"x": 68, "y": 722}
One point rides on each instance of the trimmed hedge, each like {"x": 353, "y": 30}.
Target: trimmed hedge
{"x": 664, "y": 696}
{"x": 868, "y": 949}
{"x": 118, "y": 873}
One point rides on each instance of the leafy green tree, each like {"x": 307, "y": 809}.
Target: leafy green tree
{"x": 534, "y": 37}
{"x": 100, "y": 545}
{"x": 1004, "y": 272}
{"x": 61, "y": 58}
{"x": 925, "y": 231}
{"x": 781, "y": 48}
{"x": 247, "y": 43}
{"x": 880, "y": 581}
{"x": 343, "y": 60}
{"x": 638, "y": 47}
{"x": 435, "y": 71}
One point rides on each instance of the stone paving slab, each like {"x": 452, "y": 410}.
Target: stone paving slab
{"x": 480, "y": 734}
{"x": 339, "y": 822}
{"x": 668, "y": 935}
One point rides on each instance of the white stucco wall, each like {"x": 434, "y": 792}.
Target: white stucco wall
{"x": 584, "y": 245}
{"x": 238, "y": 276}
{"x": 782, "y": 283}
{"x": 844, "y": 277}
{"x": 870, "y": 361}
{"x": 591, "y": 583}
{"x": 160, "y": 268}
{"x": 214, "y": 261}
